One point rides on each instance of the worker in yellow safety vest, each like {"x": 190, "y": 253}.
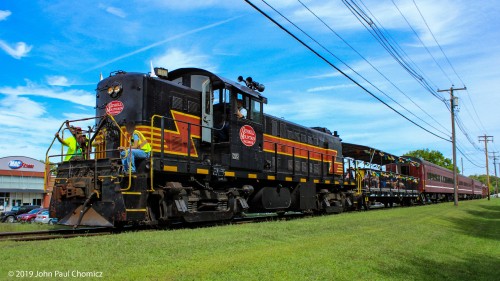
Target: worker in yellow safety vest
{"x": 139, "y": 149}
{"x": 74, "y": 148}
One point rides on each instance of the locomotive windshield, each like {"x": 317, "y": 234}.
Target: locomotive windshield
{"x": 251, "y": 107}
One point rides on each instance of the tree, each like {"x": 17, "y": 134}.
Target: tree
{"x": 433, "y": 156}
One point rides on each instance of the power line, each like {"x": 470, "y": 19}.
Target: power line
{"x": 373, "y": 26}
{"x": 467, "y": 158}
{"x": 419, "y": 39}
{"x": 376, "y": 69}
{"x": 447, "y": 59}
{"x": 335, "y": 67}
{"x": 410, "y": 61}
{"x": 470, "y": 115}
{"x": 435, "y": 40}
{"x": 460, "y": 124}
{"x": 379, "y": 35}
{"x": 463, "y": 129}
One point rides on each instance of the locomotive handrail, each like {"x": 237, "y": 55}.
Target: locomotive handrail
{"x": 152, "y": 138}
{"x": 47, "y": 162}
{"x": 305, "y": 154}
{"x": 130, "y": 147}
{"x": 359, "y": 179}
{"x": 162, "y": 140}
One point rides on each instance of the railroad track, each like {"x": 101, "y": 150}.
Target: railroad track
{"x": 53, "y": 234}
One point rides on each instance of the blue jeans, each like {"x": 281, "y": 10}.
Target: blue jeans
{"x": 132, "y": 155}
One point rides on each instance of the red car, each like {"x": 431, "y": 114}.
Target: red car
{"x": 30, "y": 216}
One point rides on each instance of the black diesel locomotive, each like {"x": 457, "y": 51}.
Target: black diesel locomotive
{"x": 206, "y": 164}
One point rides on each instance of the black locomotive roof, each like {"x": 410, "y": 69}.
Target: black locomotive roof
{"x": 174, "y": 74}
{"x": 371, "y": 155}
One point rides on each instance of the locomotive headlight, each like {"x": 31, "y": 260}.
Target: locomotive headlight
{"x": 115, "y": 90}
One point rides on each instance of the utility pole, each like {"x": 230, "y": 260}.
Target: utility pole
{"x": 486, "y": 139}
{"x": 495, "y": 158}
{"x": 453, "y": 140}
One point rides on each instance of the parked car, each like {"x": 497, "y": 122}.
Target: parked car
{"x": 44, "y": 217}
{"x": 30, "y": 216}
{"x": 10, "y": 216}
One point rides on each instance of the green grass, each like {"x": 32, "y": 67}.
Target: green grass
{"x": 438, "y": 242}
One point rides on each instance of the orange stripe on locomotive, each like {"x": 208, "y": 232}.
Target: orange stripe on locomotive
{"x": 175, "y": 140}
{"x": 303, "y": 150}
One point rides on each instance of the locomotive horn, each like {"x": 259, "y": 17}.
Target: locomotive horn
{"x": 254, "y": 85}
{"x": 259, "y": 87}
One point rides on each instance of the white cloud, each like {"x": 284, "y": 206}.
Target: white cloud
{"x": 329, "y": 74}
{"x": 175, "y": 58}
{"x": 20, "y": 107}
{"x": 31, "y": 126}
{"x": 116, "y": 11}
{"x": 80, "y": 97}
{"x": 178, "y": 36}
{"x": 113, "y": 10}
{"x": 24, "y": 126}
{"x": 58, "y": 81}
{"x": 328, "y": 88}
{"x": 4, "y": 14}
{"x": 19, "y": 51}
{"x": 311, "y": 108}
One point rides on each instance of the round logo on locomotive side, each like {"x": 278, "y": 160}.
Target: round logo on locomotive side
{"x": 247, "y": 135}
{"x": 114, "y": 108}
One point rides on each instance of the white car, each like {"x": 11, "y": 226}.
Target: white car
{"x": 44, "y": 217}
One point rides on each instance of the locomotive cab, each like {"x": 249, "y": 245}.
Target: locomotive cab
{"x": 246, "y": 135}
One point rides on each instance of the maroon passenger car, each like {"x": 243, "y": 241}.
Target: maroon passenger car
{"x": 436, "y": 183}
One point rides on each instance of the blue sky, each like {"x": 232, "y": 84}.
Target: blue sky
{"x": 52, "y": 53}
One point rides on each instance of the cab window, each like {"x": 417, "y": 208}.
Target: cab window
{"x": 255, "y": 111}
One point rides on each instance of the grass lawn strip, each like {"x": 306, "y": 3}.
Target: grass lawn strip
{"x": 436, "y": 242}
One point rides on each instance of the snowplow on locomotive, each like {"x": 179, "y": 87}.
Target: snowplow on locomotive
{"x": 207, "y": 161}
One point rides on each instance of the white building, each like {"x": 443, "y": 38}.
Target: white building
{"x": 21, "y": 182}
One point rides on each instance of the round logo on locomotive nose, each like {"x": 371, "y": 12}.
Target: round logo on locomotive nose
{"x": 114, "y": 108}
{"x": 247, "y": 135}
